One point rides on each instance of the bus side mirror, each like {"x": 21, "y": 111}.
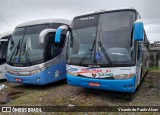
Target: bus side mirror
{"x": 138, "y": 31}
{"x": 61, "y": 30}
{"x": 43, "y": 34}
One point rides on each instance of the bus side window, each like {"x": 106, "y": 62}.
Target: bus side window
{"x": 53, "y": 49}
{"x": 3, "y": 47}
{"x": 62, "y": 43}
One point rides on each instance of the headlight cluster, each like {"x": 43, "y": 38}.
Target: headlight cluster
{"x": 72, "y": 73}
{"x": 21, "y": 73}
{"x": 12, "y": 72}
{"x": 124, "y": 76}
{"x": 35, "y": 71}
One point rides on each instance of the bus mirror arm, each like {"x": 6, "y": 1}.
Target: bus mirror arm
{"x": 43, "y": 34}
{"x": 61, "y": 30}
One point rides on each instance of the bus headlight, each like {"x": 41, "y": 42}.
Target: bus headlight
{"x": 11, "y": 72}
{"x": 35, "y": 72}
{"x": 124, "y": 76}
{"x": 42, "y": 69}
{"x": 72, "y": 73}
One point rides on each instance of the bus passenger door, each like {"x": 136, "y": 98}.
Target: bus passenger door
{"x": 139, "y": 62}
{"x": 138, "y": 35}
{"x": 62, "y": 37}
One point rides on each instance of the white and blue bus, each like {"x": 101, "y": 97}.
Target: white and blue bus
{"x": 106, "y": 49}
{"x": 4, "y": 38}
{"x": 34, "y": 55}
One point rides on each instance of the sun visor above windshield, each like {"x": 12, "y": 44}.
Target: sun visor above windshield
{"x": 84, "y": 22}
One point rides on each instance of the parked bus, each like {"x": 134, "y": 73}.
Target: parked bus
{"x": 34, "y": 55}
{"x": 4, "y": 38}
{"x": 105, "y": 50}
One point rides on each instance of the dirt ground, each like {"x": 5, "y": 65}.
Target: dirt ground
{"x": 61, "y": 94}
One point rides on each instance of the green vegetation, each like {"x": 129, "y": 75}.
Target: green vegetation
{"x": 154, "y": 69}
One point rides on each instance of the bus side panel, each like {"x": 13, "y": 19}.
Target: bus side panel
{"x": 56, "y": 72}
{"x": 145, "y": 60}
{"x": 145, "y": 56}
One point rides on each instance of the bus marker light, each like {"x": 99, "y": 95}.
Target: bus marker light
{"x": 94, "y": 84}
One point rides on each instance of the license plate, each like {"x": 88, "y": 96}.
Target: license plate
{"x": 94, "y": 84}
{"x": 18, "y": 80}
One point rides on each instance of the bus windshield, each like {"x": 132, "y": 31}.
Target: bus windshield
{"x": 84, "y": 33}
{"x": 24, "y": 46}
{"x": 112, "y": 32}
{"x": 3, "y": 46}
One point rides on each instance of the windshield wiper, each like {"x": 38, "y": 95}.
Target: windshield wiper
{"x": 87, "y": 53}
{"x": 16, "y": 48}
{"x": 92, "y": 48}
{"x": 105, "y": 53}
{"x": 85, "y": 56}
{"x": 25, "y": 52}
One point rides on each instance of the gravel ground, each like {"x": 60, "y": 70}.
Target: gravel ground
{"x": 61, "y": 94}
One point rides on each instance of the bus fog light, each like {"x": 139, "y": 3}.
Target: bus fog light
{"x": 130, "y": 86}
{"x": 72, "y": 73}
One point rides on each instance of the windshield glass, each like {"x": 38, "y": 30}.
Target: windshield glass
{"x": 13, "y": 42}
{"x": 24, "y": 47}
{"x": 84, "y": 34}
{"x": 112, "y": 33}
{"x": 115, "y": 35}
{"x": 3, "y": 46}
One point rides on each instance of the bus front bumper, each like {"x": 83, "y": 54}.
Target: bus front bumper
{"x": 128, "y": 85}
{"x": 36, "y": 79}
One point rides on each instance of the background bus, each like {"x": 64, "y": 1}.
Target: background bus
{"x": 4, "y": 38}
{"x": 34, "y": 55}
{"x": 105, "y": 50}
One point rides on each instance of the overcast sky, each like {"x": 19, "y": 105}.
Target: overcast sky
{"x": 14, "y": 12}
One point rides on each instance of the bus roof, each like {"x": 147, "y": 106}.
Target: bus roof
{"x": 109, "y": 10}
{"x": 45, "y": 21}
{"x": 4, "y": 34}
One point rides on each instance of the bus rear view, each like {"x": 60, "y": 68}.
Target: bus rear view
{"x": 105, "y": 51}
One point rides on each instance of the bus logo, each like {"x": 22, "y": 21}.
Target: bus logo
{"x": 6, "y": 109}
{"x": 94, "y": 75}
